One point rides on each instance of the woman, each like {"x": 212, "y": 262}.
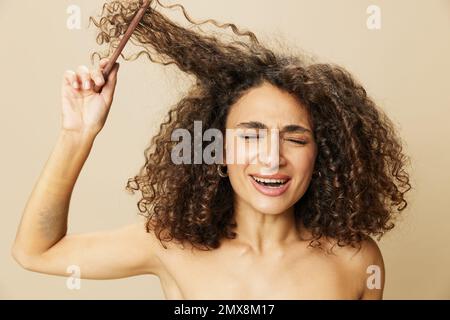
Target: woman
{"x": 294, "y": 224}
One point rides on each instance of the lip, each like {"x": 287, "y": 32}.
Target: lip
{"x": 271, "y": 192}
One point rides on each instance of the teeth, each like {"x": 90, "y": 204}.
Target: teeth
{"x": 269, "y": 180}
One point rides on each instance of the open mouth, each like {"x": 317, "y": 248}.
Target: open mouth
{"x": 270, "y": 183}
{"x": 272, "y": 187}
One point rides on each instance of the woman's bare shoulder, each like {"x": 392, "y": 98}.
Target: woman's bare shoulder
{"x": 363, "y": 263}
{"x": 361, "y": 254}
{"x": 150, "y": 245}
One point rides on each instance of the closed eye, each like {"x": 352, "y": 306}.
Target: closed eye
{"x": 249, "y": 137}
{"x": 301, "y": 142}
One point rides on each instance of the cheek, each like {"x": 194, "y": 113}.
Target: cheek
{"x": 303, "y": 162}
{"x": 237, "y": 177}
{"x": 235, "y": 171}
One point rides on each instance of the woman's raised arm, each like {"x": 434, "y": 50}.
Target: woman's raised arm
{"x": 41, "y": 243}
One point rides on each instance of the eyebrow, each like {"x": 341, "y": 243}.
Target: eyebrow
{"x": 260, "y": 125}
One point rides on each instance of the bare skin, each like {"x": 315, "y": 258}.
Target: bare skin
{"x": 292, "y": 271}
{"x": 270, "y": 258}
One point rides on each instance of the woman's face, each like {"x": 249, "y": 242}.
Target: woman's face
{"x": 272, "y": 139}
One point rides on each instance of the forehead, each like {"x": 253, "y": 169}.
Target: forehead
{"x": 269, "y": 105}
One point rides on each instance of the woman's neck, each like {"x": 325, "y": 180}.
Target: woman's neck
{"x": 261, "y": 232}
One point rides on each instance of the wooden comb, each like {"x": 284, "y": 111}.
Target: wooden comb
{"x": 134, "y": 23}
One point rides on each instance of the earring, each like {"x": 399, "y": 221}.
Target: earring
{"x": 220, "y": 172}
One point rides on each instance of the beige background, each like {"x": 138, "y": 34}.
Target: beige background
{"x": 405, "y": 67}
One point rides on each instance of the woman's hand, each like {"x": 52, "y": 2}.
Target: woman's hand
{"x": 86, "y": 99}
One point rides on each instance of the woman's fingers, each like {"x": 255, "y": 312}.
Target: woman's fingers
{"x": 99, "y": 80}
{"x": 71, "y": 79}
{"x": 110, "y": 86}
{"x": 103, "y": 62}
{"x": 98, "y": 76}
{"x": 93, "y": 80}
{"x": 84, "y": 76}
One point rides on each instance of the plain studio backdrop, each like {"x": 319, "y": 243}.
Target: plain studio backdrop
{"x": 404, "y": 65}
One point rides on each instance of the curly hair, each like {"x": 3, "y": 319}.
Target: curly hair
{"x": 362, "y": 181}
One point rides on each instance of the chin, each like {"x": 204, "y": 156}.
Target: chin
{"x": 270, "y": 207}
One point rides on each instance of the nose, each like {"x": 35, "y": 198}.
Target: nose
{"x": 270, "y": 156}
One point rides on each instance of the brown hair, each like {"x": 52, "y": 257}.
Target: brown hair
{"x": 362, "y": 179}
